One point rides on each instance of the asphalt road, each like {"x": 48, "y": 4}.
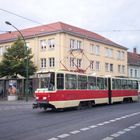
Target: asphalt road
{"x": 110, "y": 122}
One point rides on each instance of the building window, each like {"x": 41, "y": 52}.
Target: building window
{"x": 51, "y": 43}
{"x": 109, "y": 52}
{"x": 120, "y": 55}
{"x": 91, "y": 65}
{"x": 78, "y": 45}
{"x": 119, "y": 68}
{"x": 111, "y": 67}
{"x": 131, "y": 72}
{"x": 28, "y": 45}
{"x": 75, "y": 44}
{"x": 79, "y": 61}
{"x": 7, "y": 46}
{"x": 97, "y": 65}
{"x": 123, "y": 69}
{"x": 136, "y": 73}
{"x": 72, "y": 62}
{"x": 92, "y": 49}
{"x": 97, "y": 50}
{"x": 106, "y": 67}
{"x": 43, "y": 62}
{"x": 72, "y": 43}
{"x": 43, "y": 45}
{"x": 51, "y": 62}
{"x": 1, "y": 50}
{"x": 106, "y": 52}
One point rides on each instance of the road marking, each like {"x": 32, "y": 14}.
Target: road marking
{"x": 53, "y": 139}
{"x": 100, "y": 124}
{"x": 85, "y": 129}
{"x": 63, "y": 135}
{"x": 106, "y": 122}
{"x": 108, "y": 138}
{"x": 118, "y": 119}
{"x": 92, "y": 126}
{"x": 132, "y": 127}
{"x": 127, "y": 129}
{"x": 111, "y": 137}
{"x": 138, "y": 124}
{"x": 123, "y": 117}
{"x": 117, "y": 134}
{"x": 112, "y": 121}
{"x": 75, "y": 132}
{"x": 121, "y": 132}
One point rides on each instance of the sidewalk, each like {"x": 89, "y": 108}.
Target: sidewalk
{"x": 20, "y": 102}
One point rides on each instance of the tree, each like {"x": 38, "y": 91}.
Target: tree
{"x": 13, "y": 62}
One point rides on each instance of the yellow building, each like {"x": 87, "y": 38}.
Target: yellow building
{"x": 59, "y": 46}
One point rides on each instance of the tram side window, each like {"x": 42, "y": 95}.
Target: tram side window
{"x": 113, "y": 84}
{"x": 118, "y": 84}
{"x": 129, "y": 84}
{"x": 92, "y": 82}
{"x": 100, "y": 83}
{"x": 106, "y": 84}
{"x": 70, "y": 81}
{"x": 124, "y": 84}
{"x": 52, "y": 81}
{"x": 135, "y": 84}
{"x": 82, "y": 82}
{"x": 60, "y": 81}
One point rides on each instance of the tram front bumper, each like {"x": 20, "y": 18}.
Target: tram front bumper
{"x": 40, "y": 104}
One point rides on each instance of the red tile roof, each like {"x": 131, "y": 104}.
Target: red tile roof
{"x": 58, "y": 27}
{"x": 133, "y": 59}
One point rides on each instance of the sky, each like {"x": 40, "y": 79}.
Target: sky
{"x": 117, "y": 20}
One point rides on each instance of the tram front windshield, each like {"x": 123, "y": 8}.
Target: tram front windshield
{"x": 47, "y": 81}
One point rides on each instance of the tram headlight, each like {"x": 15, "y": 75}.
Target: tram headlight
{"x": 44, "y": 98}
{"x": 37, "y": 97}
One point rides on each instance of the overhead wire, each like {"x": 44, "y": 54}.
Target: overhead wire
{"x": 25, "y": 18}
{"x": 12, "y": 13}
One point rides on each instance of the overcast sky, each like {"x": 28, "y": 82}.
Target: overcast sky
{"x": 118, "y": 20}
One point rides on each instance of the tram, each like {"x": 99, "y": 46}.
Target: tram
{"x": 59, "y": 90}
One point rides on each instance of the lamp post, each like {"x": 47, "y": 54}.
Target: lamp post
{"x": 26, "y": 59}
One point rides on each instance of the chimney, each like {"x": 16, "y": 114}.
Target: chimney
{"x": 135, "y": 50}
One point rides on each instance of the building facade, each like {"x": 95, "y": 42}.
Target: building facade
{"x": 59, "y": 46}
{"x": 134, "y": 64}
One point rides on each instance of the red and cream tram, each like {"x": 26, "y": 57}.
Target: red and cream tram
{"x": 59, "y": 90}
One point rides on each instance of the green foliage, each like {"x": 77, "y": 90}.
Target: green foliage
{"x": 14, "y": 61}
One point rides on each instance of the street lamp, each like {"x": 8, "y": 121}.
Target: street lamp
{"x": 26, "y": 59}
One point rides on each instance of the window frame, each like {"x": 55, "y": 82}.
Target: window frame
{"x": 70, "y": 81}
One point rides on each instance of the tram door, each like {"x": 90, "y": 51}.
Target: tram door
{"x": 109, "y": 90}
